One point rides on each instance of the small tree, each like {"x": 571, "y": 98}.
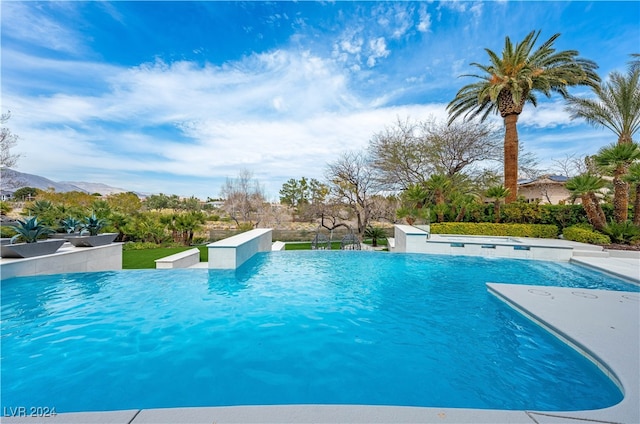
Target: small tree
{"x": 585, "y": 186}
{"x": 498, "y": 194}
{"x": 375, "y": 233}
{"x": 616, "y": 160}
{"x": 633, "y": 178}
{"x": 299, "y": 194}
{"x": 8, "y": 140}
{"x": 244, "y": 199}
{"x": 353, "y": 184}
{"x": 439, "y": 186}
{"x": 25, "y": 193}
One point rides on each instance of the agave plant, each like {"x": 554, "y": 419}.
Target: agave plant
{"x": 92, "y": 225}
{"x": 70, "y": 224}
{"x": 29, "y": 230}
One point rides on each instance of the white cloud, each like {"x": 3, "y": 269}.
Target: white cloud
{"x": 378, "y": 49}
{"x": 353, "y": 46}
{"x": 424, "y": 24}
{"x": 546, "y": 115}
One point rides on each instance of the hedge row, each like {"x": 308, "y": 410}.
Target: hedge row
{"x": 585, "y": 235}
{"x": 491, "y": 229}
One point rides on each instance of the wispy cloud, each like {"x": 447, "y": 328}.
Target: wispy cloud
{"x": 281, "y": 112}
{"x": 34, "y": 25}
{"x": 424, "y": 24}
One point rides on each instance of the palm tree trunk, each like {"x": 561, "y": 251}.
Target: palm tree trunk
{"x": 594, "y": 212}
{"x": 511, "y": 157}
{"x": 440, "y": 201}
{"x": 620, "y": 195}
{"x": 461, "y": 213}
{"x": 636, "y": 206}
{"x": 625, "y": 138}
{"x": 496, "y": 210}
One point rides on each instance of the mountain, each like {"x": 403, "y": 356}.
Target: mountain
{"x": 103, "y": 189}
{"x": 13, "y": 180}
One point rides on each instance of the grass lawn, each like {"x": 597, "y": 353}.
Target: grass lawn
{"x": 144, "y": 259}
{"x": 307, "y": 246}
{"x": 335, "y": 245}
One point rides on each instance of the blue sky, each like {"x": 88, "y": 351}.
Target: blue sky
{"x": 175, "y": 97}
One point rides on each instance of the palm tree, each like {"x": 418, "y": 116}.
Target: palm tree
{"x": 616, "y": 106}
{"x": 375, "y": 233}
{"x": 414, "y": 199}
{"x": 439, "y": 185}
{"x": 634, "y": 63}
{"x": 510, "y": 81}
{"x": 585, "y": 186}
{"x": 633, "y": 177}
{"x": 497, "y": 193}
{"x": 416, "y": 195}
{"x": 617, "y": 159}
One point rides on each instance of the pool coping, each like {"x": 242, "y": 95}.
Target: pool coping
{"x": 596, "y": 322}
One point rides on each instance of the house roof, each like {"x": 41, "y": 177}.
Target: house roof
{"x": 560, "y": 179}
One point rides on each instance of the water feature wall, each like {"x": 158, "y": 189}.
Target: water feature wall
{"x": 67, "y": 259}
{"x": 232, "y": 252}
{"x": 408, "y": 239}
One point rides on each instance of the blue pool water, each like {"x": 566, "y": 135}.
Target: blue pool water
{"x": 294, "y": 328}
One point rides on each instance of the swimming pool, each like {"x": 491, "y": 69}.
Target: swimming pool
{"x": 295, "y": 328}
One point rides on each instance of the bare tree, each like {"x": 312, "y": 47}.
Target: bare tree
{"x": 528, "y": 166}
{"x": 8, "y": 140}
{"x": 333, "y": 215}
{"x": 244, "y": 199}
{"x": 352, "y": 183}
{"x": 409, "y": 153}
{"x": 572, "y": 165}
{"x": 400, "y": 156}
{"x": 384, "y": 208}
{"x": 460, "y": 145}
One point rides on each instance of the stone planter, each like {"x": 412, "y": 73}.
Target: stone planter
{"x": 28, "y": 250}
{"x": 63, "y": 235}
{"x": 92, "y": 241}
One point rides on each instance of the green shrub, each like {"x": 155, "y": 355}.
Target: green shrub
{"x": 562, "y": 216}
{"x": 582, "y": 234}
{"x": 521, "y": 213}
{"x": 245, "y": 226}
{"x": 7, "y": 231}
{"x": 143, "y": 245}
{"x": 622, "y": 232}
{"x": 5, "y": 208}
{"x": 491, "y": 229}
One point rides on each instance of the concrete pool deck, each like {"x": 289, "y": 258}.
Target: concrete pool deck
{"x": 603, "y": 325}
